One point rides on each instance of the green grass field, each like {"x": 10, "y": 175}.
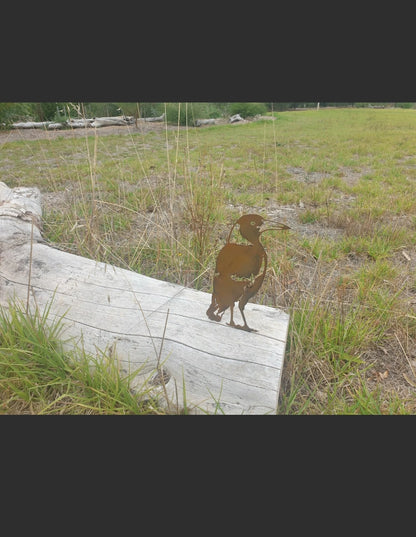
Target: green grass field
{"x": 161, "y": 201}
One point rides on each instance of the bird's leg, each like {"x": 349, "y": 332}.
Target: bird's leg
{"x": 245, "y": 326}
{"x": 211, "y": 311}
{"x": 232, "y": 323}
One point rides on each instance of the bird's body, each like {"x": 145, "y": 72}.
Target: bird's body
{"x": 237, "y": 270}
{"x": 244, "y": 261}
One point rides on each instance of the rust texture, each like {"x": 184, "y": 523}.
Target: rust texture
{"x": 237, "y": 269}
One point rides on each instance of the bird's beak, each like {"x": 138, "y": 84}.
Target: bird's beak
{"x": 275, "y": 226}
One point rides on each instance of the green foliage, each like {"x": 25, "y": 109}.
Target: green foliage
{"x": 101, "y": 109}
{"x": 188, "y": 113}
{"x": 44, "y": 111}
{"x": 37, "y": 376}
{"x": 10, "y": 112}
{"x": 248, "y": 109}
{"x": 141, "y": 109}
{"x": 278, "y": 107}
{"x": 178, "y": 113}
{"x": 404, "y": 105}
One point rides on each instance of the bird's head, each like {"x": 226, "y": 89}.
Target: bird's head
{"x": 251, "y": 226}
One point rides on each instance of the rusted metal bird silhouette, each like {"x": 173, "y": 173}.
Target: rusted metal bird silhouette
{"x": 237, "y": 269}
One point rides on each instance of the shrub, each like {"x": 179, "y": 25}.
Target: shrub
{"x": 141, "y": 109}
{"x": 101, "y": 109}
{"x": 188, "y": 113}
{"x": 248, "y": 109}
{"x": 10, "y": 112}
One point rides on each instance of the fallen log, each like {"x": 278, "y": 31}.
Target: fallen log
{"x": 31, "y": 125}
{"x": 150, "y": 119}
{"x": 79, "y": 123}
{"x": 235, "y": 118}
{"x": 115, "y": 120}
{"x": 56, "y": 126}
{"x": 145, "y": 324}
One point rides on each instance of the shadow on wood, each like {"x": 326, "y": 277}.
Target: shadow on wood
{"x": 146, "y": 322}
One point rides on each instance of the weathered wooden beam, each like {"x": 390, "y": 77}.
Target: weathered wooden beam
{"x": 148, "y": 324}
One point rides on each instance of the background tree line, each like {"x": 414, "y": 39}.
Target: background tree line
{"x": 175, "y": 112}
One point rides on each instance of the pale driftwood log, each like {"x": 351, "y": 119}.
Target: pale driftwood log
{"x": 200, "y": 122}
{"x": 84, "y": 122}
{"x": 235, "y": 118}
{"x": 115, "y": 120}
{"x": 142, "y": 322}
{"x": 150, "y": 119}
{"x": 73, "y": 123}
{"x": 31, "y": 125}
{"x": 55, "y": 126}
{"x": 79, "y": 123}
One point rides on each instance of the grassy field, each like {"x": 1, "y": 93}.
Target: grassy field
{"x": 161, "y": 201}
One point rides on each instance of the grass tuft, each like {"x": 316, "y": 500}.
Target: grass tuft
{"x": 38, "y": 377}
